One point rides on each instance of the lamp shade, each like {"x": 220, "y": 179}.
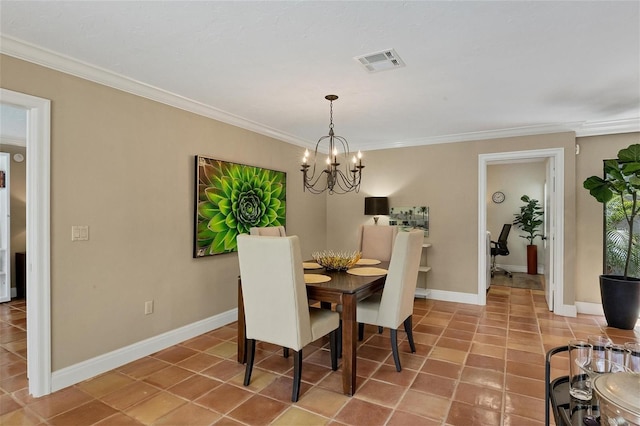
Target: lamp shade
{"x": 376, "y": 205}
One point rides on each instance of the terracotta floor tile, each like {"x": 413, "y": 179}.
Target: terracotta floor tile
{"x": 478, "y": 395}
{"x": 188, "y": 415}
{"x": 259, "y": 379}
{"x": 194, "y": 387}
{"x": 425, "y": 405}
{"x": 224, "y": 370}
{"x": 223, "y": 350}
{"x": 513, "y": 420}
{"x": 436, "y": 385}
{"x": 524, "y": 406}
{"x": 525, "y": 386}
{"x": 469, "y": 415}
{"x": 535, "y": 371}
{"x": 258, "y": 410}
{"x": 150, "y": 410}
{"x": 86, "y": 414}
{"x": 143, "y": 367}
{"x": 129, "y": 395}
{"x": 202, "y": 343}
{"x": 296, "y": 416}
{"x": 447, "y": 354}
{"x": 224, "y": 398}
{"x": 22, "y": 417}
{"x": 175, "y": 354}
{"x": 473, "y": 365}
{"x": 105, "y": 384}
{"x": 458, "y": 334}
{"x": 323, "y": 402}
{"x": 480, "y": 376}
{"x": 488, "y": 362}
{"x": 358, "y": 412}
{"x": 401, "y": 418}
{"x": 380, "y": 393}
{"x": 168, "y": 377}
{"x": 488, "y": 350}
{"x": 199, "y": 362}
{"x": 388, "y": 373}
{"x": 8, "y": 404}
{"x": 58, "y": 402}
{"x": 442, "y": 368}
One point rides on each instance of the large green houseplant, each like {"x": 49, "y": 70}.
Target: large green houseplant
{"x": 530, "y": 220}
{"x": 621, "y": 184}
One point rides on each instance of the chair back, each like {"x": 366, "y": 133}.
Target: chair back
{"x": 501, "y": 245}
{"x": 274, "y": 292}
{"x": 268, "y": 231}
{"x": 376, "y": 241}
{"x": 396, "y": 303}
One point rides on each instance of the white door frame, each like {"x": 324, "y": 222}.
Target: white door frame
{"x": 484, "y": 160}
{"x": 38, "y": 286}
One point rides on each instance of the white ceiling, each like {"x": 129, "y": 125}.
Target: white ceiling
{"x": 473, "y": 69}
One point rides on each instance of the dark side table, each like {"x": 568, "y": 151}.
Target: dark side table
{"x": 567, "y": 411}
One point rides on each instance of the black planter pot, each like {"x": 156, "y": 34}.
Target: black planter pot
{"x": 620, "y": 300}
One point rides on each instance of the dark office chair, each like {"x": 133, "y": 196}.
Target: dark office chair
{"x": 499, "y": 248}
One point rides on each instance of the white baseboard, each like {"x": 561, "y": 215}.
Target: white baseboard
{"x": 422, "y": 293}
{"x": 519, "y": 268}
{"x": 589, "y": 308}
{"x": 453, "y": 296}
{"x": 92, "y": 367}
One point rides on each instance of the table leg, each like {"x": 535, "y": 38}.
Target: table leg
{"x": 349, "y": 342}
{"x": 242, "y": 341}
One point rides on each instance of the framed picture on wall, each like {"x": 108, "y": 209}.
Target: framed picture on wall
{"x": 407, "y": 218}
{"x": 230, "y": 199}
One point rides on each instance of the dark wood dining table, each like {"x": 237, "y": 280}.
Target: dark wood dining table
{"x": 344, "y": 289}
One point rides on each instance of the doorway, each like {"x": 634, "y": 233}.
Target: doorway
{"x": 38, "y": 286}
{"x": 554, "y": 196}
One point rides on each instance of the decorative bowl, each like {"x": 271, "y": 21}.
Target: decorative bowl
{"x": 336, "y": 260}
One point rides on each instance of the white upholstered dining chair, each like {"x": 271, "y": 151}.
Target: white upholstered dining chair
{"x": 376, "y": 241}
{"x": 268, "y": 231}
{"x": 394, "y": 305}
{"x": 275, "y": 302}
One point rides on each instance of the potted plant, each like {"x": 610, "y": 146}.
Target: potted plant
{"x": 621, "y": 185}
{"x": 529, "y": 220}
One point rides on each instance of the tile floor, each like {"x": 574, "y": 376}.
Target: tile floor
{"x": 474, "y": 366}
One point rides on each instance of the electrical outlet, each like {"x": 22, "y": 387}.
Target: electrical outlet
{"x": 148, "y": 307}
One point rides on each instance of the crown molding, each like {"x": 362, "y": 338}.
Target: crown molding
{"x": 47, "y": 58}
{"x": 50, "y": 59}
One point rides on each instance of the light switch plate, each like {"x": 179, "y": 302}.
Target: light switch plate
{"x": 80, "y": 233}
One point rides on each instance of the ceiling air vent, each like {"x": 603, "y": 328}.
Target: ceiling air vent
{"x": 381, "y": 61}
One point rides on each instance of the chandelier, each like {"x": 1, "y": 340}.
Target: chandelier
{"x": 329, "y": 176}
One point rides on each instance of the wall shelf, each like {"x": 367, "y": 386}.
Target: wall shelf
{"x": 422, "y": 291}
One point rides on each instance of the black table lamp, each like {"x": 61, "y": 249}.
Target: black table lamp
{"x": 376, "y": 206}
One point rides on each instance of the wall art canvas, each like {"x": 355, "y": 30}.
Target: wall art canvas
{"x": 230, "y": 199}
{"x": 407, "y": 218}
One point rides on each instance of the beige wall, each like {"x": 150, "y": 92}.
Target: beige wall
{"x": 589, "y": 216}
{"x": 514, "y": 180}
{"x": 124, "y": 166}
{"x": 445, "y": 178}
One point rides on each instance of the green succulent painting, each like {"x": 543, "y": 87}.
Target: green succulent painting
{"x": 231, "y": 199}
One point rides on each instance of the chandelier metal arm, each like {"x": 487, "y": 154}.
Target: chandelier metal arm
{"x": 337, "y": 180}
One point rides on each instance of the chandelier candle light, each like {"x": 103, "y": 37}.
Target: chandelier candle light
{"x": 337, "y": 180}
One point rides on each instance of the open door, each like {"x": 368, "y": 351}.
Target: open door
{"x": 548, "y": 239}
{"x": 5, "y": 229}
